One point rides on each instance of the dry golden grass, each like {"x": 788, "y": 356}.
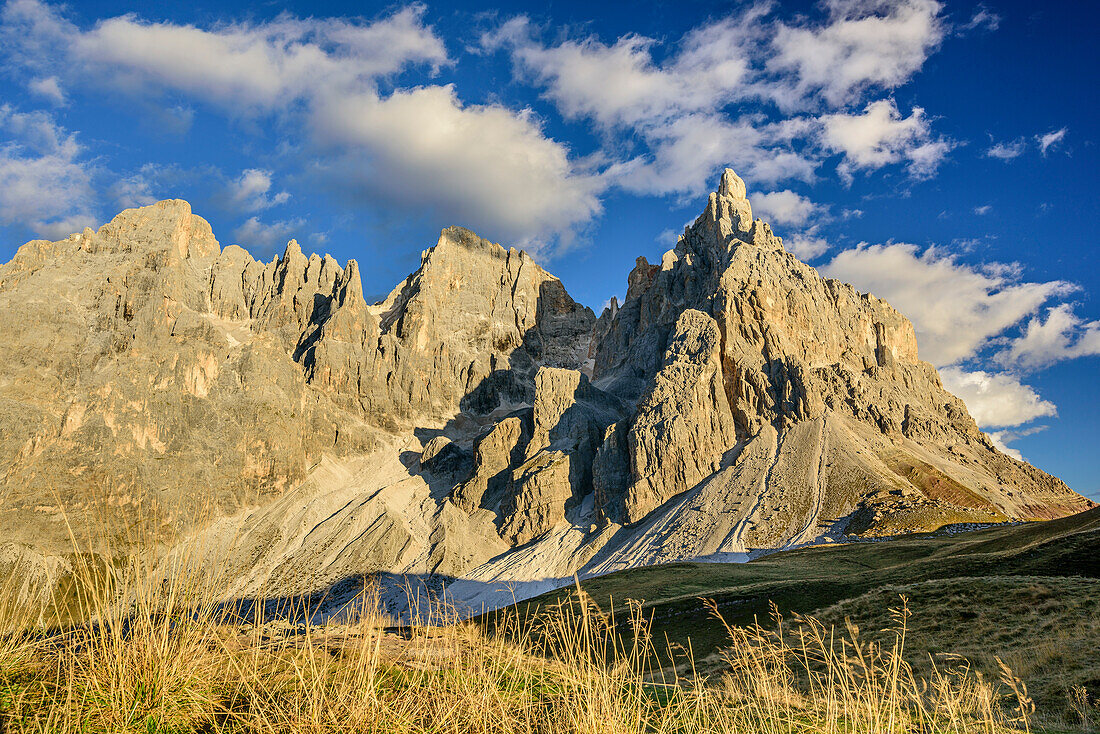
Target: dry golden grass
{"x": 1047, "y": 629}
{"x": 164, "y": 656}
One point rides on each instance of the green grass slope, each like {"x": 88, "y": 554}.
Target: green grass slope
{"x": 1028, "y": 593}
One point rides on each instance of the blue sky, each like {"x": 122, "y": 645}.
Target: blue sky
{"x": 942, "y": 156}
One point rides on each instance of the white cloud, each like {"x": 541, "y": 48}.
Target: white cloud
{"x": 880, "y": 136}
{"x": 48, "y": 88}
{"x": 621, "y": 85}
{"x": 680, "y": 106}
{"x": 984, "y": 19}
{"x": 1001, "y": 439}
{"x": 996, "y": 399}
{"x": 133, "y": 191}
{"x": 867, "y": 43}
{"x": 675, "y": 107}
{"x": 250, "y": 191}
{"x": 486, "y": 166}
{"x": 668, "y": 237}
{"x": 806, "y": 247}
{"x": 667, "y": 117}
{"x": 956, "y": 308}
{"x": 38, "y": 132}
{"x": 265, "y": 65}
{"x": 266, "y": 236}
{"x": 480, "y": 164}
{"x": 1051, "y": 139}
{"x": 783, "y": 207}
{"x": 1015, "y": 148}
{"x": 1063, "y": 335}
{"x": 1007, "y": 151}
{"x": 925, "y": 159}
{"x": 982, "y": 210}
{"x": 686, "y": 152}
{"x": 44, "y": 184}
{"x": 32, "y": 32}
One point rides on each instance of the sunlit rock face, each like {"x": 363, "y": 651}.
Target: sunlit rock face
{"x": 478, "y": 423}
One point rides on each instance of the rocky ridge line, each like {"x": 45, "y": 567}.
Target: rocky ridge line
{"x": 477, "y": 422}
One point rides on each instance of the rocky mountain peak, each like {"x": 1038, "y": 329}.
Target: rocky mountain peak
{"x": 164, "y": 226}
{"x": 795, "y": 350}
{"x": 460, "y": 237}
{"x": 478, "y": 421}
{"x": 728, "y": 215}
{"x": 731, "y": 186}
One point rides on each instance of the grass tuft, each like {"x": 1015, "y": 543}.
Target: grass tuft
{"x": 165, "y": 656}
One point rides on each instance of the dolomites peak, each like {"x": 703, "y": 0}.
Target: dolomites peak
{"x": 477, "y": 422}
{"x": 732, "y": 186}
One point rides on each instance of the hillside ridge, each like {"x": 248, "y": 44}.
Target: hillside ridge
{"x": 477, "y": 425}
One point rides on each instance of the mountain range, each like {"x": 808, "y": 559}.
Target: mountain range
{"x": 477, "y": 430}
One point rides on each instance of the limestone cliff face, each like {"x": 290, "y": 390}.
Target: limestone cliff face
{"x": 465, "y": 332}
{"x": 794, "y": 348}
{"x": 682, "y": 427}
{"x": 146, "y": 376}
{"x": 478, "y": 422}
{"x": 149, "y": 372}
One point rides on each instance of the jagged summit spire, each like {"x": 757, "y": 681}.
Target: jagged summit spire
{"x": 731, "y": 185}
{"x": 728, "y": 210}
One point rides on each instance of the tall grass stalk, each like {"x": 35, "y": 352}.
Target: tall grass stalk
{"x": 159, "y": 651}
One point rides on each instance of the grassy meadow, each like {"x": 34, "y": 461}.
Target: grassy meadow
{"x": 940, "y": 655}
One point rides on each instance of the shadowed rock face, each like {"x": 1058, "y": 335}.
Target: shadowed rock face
{"x": 681, "y": 429}
{"x": 478, "y": 422}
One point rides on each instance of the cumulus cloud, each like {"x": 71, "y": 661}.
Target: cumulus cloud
{"x": 1000, "y": 440}
{"x": 1051, "y": 139}
{"x": 996, "y": 399}
{"x": 480, "y": 163}
{"x": 517, "y": 181}
{"x": 266, "y": 236}
{"x": 241, "y": 65}
{"x": 1063, "y": 335}
{"x": 956, "y": 308}
{"x": 669, "y": 116}
{"x": 620, "y": 84}
{"x": 675, "y": 107}
{"x": 48, "y": 88}
{"x": 806, "y": 247}
{"x": 880, "y": 135}
{"x": 249, "y": 192}
{"x": 487, "y": 166}
{"x": 45, "y": 185}
{"x": 962, "y": 312}
{"x": 783, "y": 207}
{"x": 789, "y": 209}
{"x": 867, "y": 43}
{"x": 683, "y": 106}
{"x": 686, "y": 154}
{"x": 999, "y": 403}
